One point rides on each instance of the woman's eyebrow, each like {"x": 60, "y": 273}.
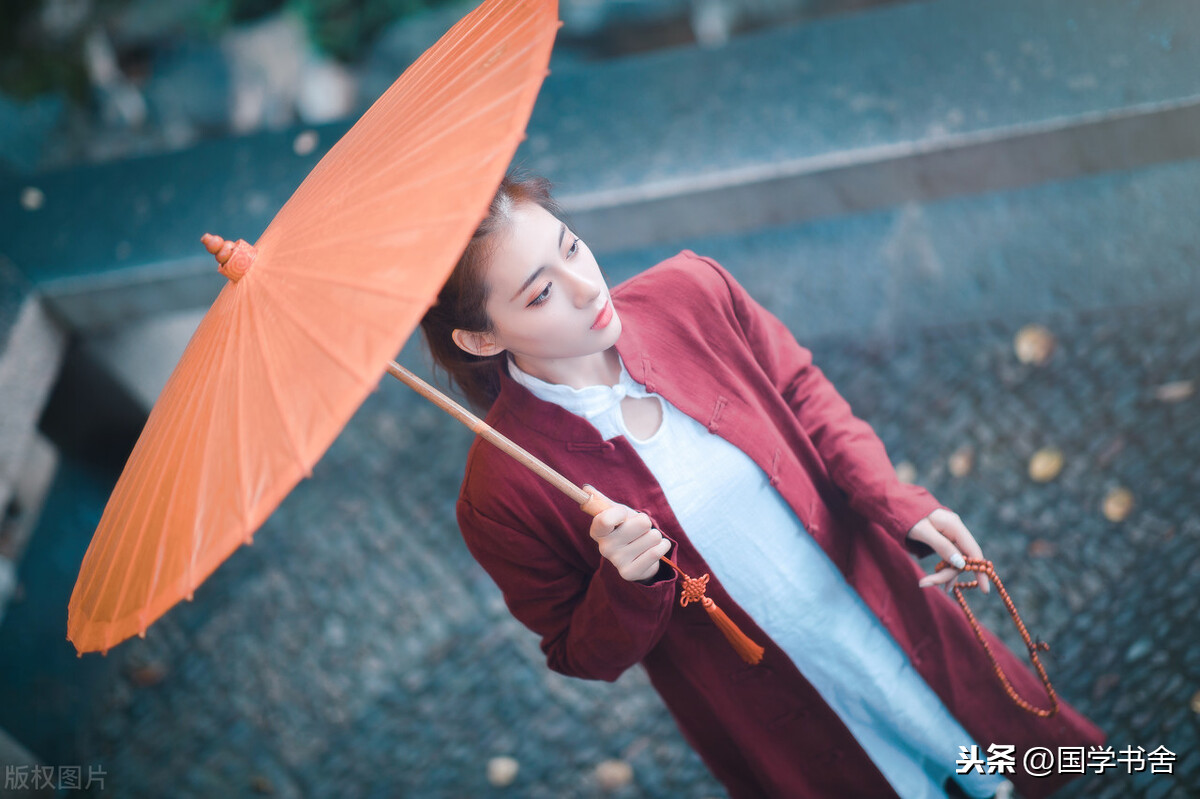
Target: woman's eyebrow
{"x": 562, "y": 231}
{"x": 528, "y": 282}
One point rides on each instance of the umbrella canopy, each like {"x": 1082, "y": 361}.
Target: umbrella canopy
{"x": 311, "y": 316}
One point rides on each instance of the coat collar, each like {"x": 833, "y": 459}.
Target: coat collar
{"x": 552, "y": 421}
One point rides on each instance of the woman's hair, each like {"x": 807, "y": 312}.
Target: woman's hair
{"x": 460, "y": 304}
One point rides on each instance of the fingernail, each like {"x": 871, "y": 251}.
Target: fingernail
{"x": 957, "y": 560}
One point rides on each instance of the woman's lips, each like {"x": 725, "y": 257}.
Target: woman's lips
{"x": 604, "y": 317}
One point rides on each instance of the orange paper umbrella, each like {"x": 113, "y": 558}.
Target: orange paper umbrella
{"x": 311, "y": 316}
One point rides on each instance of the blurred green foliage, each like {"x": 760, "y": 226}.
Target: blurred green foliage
{"x": 35, "y": 59}
{"x": 31, "y": 64}
{"x": 345, "y": 28}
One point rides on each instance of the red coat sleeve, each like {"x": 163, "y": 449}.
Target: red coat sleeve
{"x": 853, "y": 454}
{"x": 593, "y": 625}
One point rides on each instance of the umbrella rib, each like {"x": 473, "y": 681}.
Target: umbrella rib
{"x": 152, "y": 425}
{"x": 451, "y": 66}
{"x": 334, "y": 279}
{"x": 292, "y": 254}
{"x": 160, "y": 475}
{"x": 450, "y": 59}
{"x": 428, "y": 142}
{"x": 465, "y": 172}
{"x": 365, "y": 143}
{"x": 292, "y": 437}
{"x": 441, "y": 112}
{"x": 243, "y": 469}
{"x": 323, "y": 346}
{"x": 456, "y": 56}
{"x": 197, "y": 533}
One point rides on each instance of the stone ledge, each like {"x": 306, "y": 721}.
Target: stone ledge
{"x": 32, "y": 346}
{"x": 22, "y": 512}
{"x": 905, "y": 103}
{"x": 1103, "y": 241}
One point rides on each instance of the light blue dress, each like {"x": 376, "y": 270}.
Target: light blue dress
{"x": 783, "y": 579}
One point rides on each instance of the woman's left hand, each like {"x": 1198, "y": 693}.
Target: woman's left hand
{"x": 946, "y": 534}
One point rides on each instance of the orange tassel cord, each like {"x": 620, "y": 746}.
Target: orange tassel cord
{"x": 593, "y": 502}
{"x": 693, "y": 591}
{"x": 986, "y": 567}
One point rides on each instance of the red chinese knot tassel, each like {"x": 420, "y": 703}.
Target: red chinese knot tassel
{"x": 693, "y": 591}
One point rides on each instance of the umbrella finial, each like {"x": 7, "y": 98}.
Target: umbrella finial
{"x": 234, "y": 258}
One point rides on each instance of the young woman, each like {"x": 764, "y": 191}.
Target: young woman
{"x": 680, "y": 398}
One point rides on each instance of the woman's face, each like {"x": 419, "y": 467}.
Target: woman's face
{"x": 547, "y": 300}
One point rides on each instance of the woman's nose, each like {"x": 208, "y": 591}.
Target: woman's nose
{"x": 584, "y": 290}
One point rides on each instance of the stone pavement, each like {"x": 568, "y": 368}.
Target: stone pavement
{"x": 356, "y": 649}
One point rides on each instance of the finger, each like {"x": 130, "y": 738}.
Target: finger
{"x": 969, "y": 545}
{"x": 925, "y": 532}
{"x": 595, "y": 502}
{"x": 607, "y": 521}
{"x": 629, "y": 557}
{"x": 942, "y": 578}
{"x": 645, "y": 565}
{"x": 631, "y": 528}
{"x": 956, "y": 530}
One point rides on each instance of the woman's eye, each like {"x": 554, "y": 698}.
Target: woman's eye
{"x": 539, "y": 299}
{"x": 574, "y": 247}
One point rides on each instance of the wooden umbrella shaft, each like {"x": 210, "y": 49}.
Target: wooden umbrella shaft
{"x": 484, "y": 430}
{"x": 591, "y": 503}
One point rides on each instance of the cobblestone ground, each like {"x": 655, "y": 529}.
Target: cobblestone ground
{"x": 356, "y": 649}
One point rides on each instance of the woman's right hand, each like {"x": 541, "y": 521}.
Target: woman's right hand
{"x": 626, "y": 539}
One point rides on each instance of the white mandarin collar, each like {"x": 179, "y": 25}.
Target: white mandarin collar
{"x": 588, "y": 402}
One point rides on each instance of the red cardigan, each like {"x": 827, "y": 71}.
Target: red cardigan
{"x": 694, "y": 336}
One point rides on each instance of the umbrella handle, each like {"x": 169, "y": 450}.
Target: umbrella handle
{"x": 591, "y": 502}
{"x": 486, "y": 431}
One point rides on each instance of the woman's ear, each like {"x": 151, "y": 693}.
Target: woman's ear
{"x": 481, "y": 344}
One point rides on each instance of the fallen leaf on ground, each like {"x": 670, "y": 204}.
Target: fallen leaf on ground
{"x": 147, "y": 674}
{"x": 962, "y": 461}
{"x": 614, "y": 774}
{"x": 1174, "y": 392}
{"x": 1045, "y": 464}
{"x": 1033, "y": 344}
{"x": 1041, "y": 548}
{"x": 502, "y": 771}
{"x": 1117, "y": 504}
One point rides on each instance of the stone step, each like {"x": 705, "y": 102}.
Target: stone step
{"x": 1094, "y": 242}
{"x": 1102, "y": 241}
{"x": 908, "y": 102}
